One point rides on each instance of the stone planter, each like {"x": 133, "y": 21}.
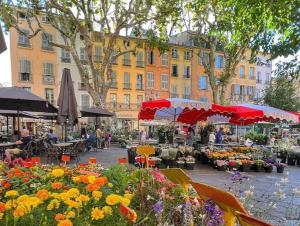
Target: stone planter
{"x": 268, "y": 169}
{"x": 258, "y": 168}
{"x": 280, "y": 169}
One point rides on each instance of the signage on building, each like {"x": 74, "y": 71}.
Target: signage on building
{"x": 126, "y": 115}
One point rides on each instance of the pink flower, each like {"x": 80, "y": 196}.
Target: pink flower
{"x": 158, "y": 176}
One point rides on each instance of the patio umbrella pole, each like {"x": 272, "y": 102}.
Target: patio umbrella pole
{"x": 7, "y": 125}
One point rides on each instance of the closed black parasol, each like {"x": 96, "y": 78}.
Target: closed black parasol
{"x": 96, "y": 112}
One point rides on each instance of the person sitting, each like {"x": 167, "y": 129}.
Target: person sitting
{"x": 25, "y": 139}
{"x": 52, "y": 136}
{"x": 91, "y": 140}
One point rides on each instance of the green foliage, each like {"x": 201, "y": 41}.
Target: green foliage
{"x": 282, "y": 94}
{"x": 256, "y": 137}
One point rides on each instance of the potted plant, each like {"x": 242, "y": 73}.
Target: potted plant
{"x": 221, "y": 165}
{"x": 189, "y": 162}
{"x": 170, "y": 159}
{"x": 234, "y": 164}
{"x": 291, "y": 158}
{"x": 280, "y": 167}
{"x": 246, "y": 165}
{"x": 180, "y": 162}
{"x": 258, "y": 165}
{"x": 268, "y": 167}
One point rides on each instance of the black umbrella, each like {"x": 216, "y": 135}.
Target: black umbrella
{"x": 67, "y": 101}
{"x": 2, "y": 42}
{"x": 96, "y": 112}
{"x": 19, "y": 99}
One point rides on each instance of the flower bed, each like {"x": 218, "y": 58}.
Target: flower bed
{"x": 91, "y": 195}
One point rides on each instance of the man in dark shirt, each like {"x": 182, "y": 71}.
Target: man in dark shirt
{"x": 25, "y": 139}
{"x": 219, "y": 136}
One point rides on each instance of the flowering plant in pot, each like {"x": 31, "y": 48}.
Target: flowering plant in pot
{"x": 180, "y": 162}
{"x": 221, "y": 165}
{"x": 258, "y": 165}
{"x": 246, "y": 165}
{"x": 268, "y": 167}
{"x": 280, "y": 167}
{"x": 234, "y": 164}
{"x": 190, "y": 162}
{"x": 291, "y": 158}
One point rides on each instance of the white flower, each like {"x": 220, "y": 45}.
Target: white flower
{"x": 287, "y": 173}
{"x": 252, "y": 187}
{"x": 277, "y": 184}
{"x": 274, "y": 206}
{"x": 249, "y": 193}
{"x": 296, "y": 191}
{"x": 284, "y": 180}
{"x": 149, "y": 197}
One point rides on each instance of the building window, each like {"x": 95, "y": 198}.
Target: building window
{"x": 98, "y": 54}
{"x": 48, "y": 69}
{"x": 164, "y": 82}
{"x": 268, "y": 78}
{"x": 204, "y": 99}
{"x": 49, "y": 94}
{"x": 187, "y": 92}
{"x": 139, "y": 59}
{"x": 113, "y": 58}
{"x": 25, "y": 70}
{"x": 27, "y": 89}
{"x": 187, "y": 55}
{"x": 219, "y": 61}
{"x": 46, "y": 39}
{"x": 65, "y": 56}
{"x": 126, "y": 60}
{"x": 187, "y": 72}
{"x": 242, "y": 71}
{"x": 258, "y": 79}
{"x": 174, "y": 54}
{"x": 113, "y": 100}
{"x": 203, "y": 58}
{"x": 83, "y": 56}
{"x": 126, "y": 101}
{"x": 269, "y": 64}
{"x": 150, "y": 79}
{"x": 85, "y": 101}
{"x": 113, "y": 79}
{"x": 174, "y": 70}
{"x": 139, "y": 82}
{"x": 126, "y": 80}
{"x": 150, "y": 57}
{"x": 251, "y": 73}
{"x": 23, "y": 39}
{"x": 139, "y": 100}
{"x": 174, "y": 91}
{"x": 165, "y": 59}
{"x": 202, "y": 82}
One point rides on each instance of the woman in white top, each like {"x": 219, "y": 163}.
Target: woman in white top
{"x": 212, "y": 138}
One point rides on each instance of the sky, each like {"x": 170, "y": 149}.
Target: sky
{"x": 5, "y": 64}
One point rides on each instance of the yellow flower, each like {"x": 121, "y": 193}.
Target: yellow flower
{"x": 33, "y": 202}
{"x": 125, "y": 201}
{"x": 91, "y": 179}
{"x": 107, "y": 210}
{"x": 73, "y": 192}
{"x": 82, "y": 198}
{"x": 1, "y": 216}
{"x": 128, "y": 196}
{"x": 70, "y": 214}
{"x": 113, "y": 199}
{"x": 54, "y": 204}
{"x": 97, "y": 214}
{"x": 76, "y": 179}
{"x": 57, "y": 172}
{"x": 22, "y": 198}
{"x": 97, "y": 195}
{"x": 11, "y": 193}
{"x": 19, "y": 211}
{"x": 10, "y": 204}
{"x": 65, "y": 222}
{"x": 110, "y": 185}
{"x": 72, "y": 204}
{"x": 64, "y": 196}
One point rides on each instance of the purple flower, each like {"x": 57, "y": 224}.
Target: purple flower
{"x": 158, "y": 206}
{"x": 214, "y": 214}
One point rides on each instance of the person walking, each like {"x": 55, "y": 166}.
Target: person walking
{"x": 107, "y": 134}
{"x": 99, "y": 138}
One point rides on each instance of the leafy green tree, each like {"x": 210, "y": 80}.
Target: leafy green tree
{"x": 100, "y": 20}
{"x": 282, "y": 94}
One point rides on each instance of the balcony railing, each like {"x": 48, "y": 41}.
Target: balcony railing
{"x": 81, "y": 86}
{"x": 139, "y": 63}
{"x": 186, "y": 96}
{"x": 114, "y": 85}
{"x": 175, "y": 74}
{"x": 267, "y": 82}
{"x": 126, "y": 62}
{"x": 187, "y": 76}
{"x": 48, "y": 79}
{"x": 139, "y": 86}
{"x": 24, "y": 44}
{"x": 126, "y": 85}
{"x": 121, "y": 106}
{"x": 84, "y": 62}
{"x": 259, "y": 81}
{"x": 65, "y": 59}
{"x": 25, "y": 77}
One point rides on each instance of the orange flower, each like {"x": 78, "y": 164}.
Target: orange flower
{"x": 59, "y": 217}
{"x": 92, "y": 187}
{"x": 2, "y": 207}
{"x": 84, "y": 179}
{"x": 101, "y": 181}
{"x": 56, "y": 185}
{"x": 43, "y": 194}
{"x": 66, "y": 222}
{"x": 130, "y": 214}
{"x": 7, "y": 185}
{"x": 25, "y": 179}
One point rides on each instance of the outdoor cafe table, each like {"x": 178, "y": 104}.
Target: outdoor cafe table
{"x": 62, "y": 145}
{"x": 4, "y": 146}
{"x": 75, "y": 141}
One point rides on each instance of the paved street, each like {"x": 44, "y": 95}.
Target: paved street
{"x": 264, "y": 183}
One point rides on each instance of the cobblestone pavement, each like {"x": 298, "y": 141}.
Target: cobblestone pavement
{"x": 264, "y": 183}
